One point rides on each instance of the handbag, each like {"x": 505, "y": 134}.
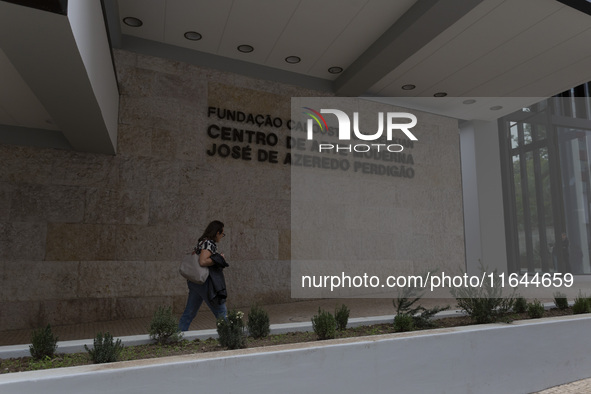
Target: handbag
{"x": 192, "y": 270}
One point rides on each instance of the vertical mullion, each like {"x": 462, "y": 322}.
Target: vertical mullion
{"x": 525, "y": 199}
{"x": 509, "y": 201}
{"x": 554, "y": 107}
{"x": 540, "y": 209}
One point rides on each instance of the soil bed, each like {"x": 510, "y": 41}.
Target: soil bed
{"x": 211, "y": 345}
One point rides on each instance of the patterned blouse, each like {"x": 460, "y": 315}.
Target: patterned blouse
{"x": 208, "y": 245}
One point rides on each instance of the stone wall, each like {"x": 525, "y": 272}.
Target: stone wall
{"x": 88, "y": 237}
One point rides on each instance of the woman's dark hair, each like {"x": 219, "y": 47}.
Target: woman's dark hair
{"x": 212, "y": 230}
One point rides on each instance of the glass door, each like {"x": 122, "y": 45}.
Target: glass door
{"x": 534, "y": 227}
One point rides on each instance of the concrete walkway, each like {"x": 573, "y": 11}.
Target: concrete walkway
{"x": 295, "y": 316}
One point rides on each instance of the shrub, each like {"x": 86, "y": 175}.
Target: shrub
{"x": 560, "y": 300}
{"x": 484, "y": 304}
{"x": 164, "y": 327}
{"x": 405, "y": 305}
{"x": 324, "y": 325}
{"x": 535, "y": 309}
{"x": 231, "y": 330}
{"x": 105, "y": 349}
{"x": 581, "y": 305}
{"x": 403, "y": 323}
{"x": 341, "y": 316}
{"x": 43, "y": 343}
{"x": 258, "y": 322}
{"x": 520, "y": 305}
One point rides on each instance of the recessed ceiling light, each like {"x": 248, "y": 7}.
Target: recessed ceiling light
{"x": 440, "y": 94}
{"x": 193, "y": 36}
{"x": 133, "y": 22}
{"x": 496, "y": 108}
{"x": 470, "y": 101}
{"x": 293, "y": 59}
{"x": 408, "y": 87}
{"x": 245, "y": 48}
{"x": 335, "y": 70}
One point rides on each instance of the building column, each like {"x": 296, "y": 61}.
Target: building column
{"x": 484, "y": 220}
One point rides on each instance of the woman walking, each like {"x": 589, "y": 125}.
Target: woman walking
{"x": 213, "y": 290}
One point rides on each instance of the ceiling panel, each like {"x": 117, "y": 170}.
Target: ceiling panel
{"x": 311, "y": 31}
{"x": 524, "y": 46}
{"x": 151, "y": 12}
{"x": 269, "y": 16}
{"x": 370, "y": 23}
{"x": 391, "y": 84}
{"x": 514, "y": 16}
{"x": 558, "y": 58}
{"x": 207, "y": 17}
{"x": 573, "y": 75}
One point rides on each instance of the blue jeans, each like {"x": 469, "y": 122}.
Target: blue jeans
{"x": 198, "y": 294}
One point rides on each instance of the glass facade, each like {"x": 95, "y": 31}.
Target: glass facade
{"x": 546, "y": 151}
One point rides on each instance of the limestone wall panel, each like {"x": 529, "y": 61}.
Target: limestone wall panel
{"x": 262, "y": 281}
{"x": 76, "y": 311}
{"x": 144, "y": 242}
{"x": 83, "y": 169}
{"x": 178, "y": 86}
{"x": 134, "y": 140}
{"x": 38, "y": 280}
{"x": 81, "y": 242}
{"x": 24, "y": 164}
{"x": 174, "y": 208}
{"x": 162, "y": 278}
{"x": 16, "y": 315}
{"x": 259, "y": 244}
{"x": 106, "y": 206}
{"x": 134, "y": 307}
{"x": 47, "y": 203}
{"x": 149, "y": 112}
{"x": 22, "y": 240}
{"x": 111, "y": 279}
{"x": 6, "y": 192}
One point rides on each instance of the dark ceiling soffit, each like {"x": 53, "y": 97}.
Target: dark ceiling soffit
{"x": 55, "y": 6}
{"x": 111, "y": 15}
{"x": 40, "y": 138}
{"x": 202, "y": 59}
{"x": 424, "y": 21}
{"x": 581, "y": 5}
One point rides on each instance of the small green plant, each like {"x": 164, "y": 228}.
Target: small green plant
{"x": 43, "y": 343}
{"x": 581, "y": 305}
{"x": 535, "y": 310}
{"x": 231, "y": 330}
{"x": 341, "y": 316}
{"x": 105, "y": 349}
{"x": 560, "y": 300}
{"x": 324, "y": 325}
{"x": 484, "y": 304}
{"x": 520, "y": 305}
{"x": 164, "y": 327}
{"x": 405, "y": 305}
{"x": 403, "y": 323}
{"x": 258, "y": 322}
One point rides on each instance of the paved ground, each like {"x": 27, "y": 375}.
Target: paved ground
{"x": 278, "y": 313}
